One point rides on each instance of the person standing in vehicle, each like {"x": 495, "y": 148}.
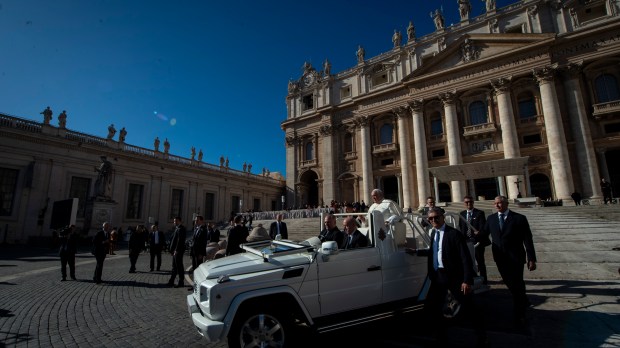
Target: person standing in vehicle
{"x": 236, "y": 236}
{"x": 512, "y": 247}
{"x": 157, "y": 240}
{"x": 477, "y": 220}
{"x": 177, "y": 249}
{"x": 68, "y": 249}
{"x": 449, "y": 270}
{"x": 101, "y": 243}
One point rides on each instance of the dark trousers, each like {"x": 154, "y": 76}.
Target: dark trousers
{"x": 177, "y": 269}
{"x": 482, "y": 266}
{"x": 133, "y": 258}
{"x": 67, "y": 258}
{"x": 99, "y": 268}
{"x": 155, "y": 252}
{"x": 196, "y": 261}
{"x": 606, "y": 196}
{"x": 512, "y": 275}
{"x": 472, "y": 315}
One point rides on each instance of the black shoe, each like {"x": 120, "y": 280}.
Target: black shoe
{"x": 151, "y": 270}
{"x": 180, "y": 285}
{"x": 73, "y": 277}
{"x": 158, "y": 270}
{"x": 170, "y": 283}
{"x": 63, "y": 279}
{"x": 132, "y": 271}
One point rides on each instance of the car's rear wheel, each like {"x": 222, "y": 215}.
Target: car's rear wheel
{"x": 260, "y": 327}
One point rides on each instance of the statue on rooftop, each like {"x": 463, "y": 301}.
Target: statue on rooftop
{"x": 62, "y": 119}
{"x": 410, "y": 32}
{"x": 438, "y": 19}
{"x": 360, "y": 54}
{"x": 122, "y": 135}
{"x": 47, "y": 115}
{"x": 396, "y": 38}
{"x": 111, "y": 131}
{"x": 156, "y": 144}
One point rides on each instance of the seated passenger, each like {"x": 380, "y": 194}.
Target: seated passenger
{"x": 258, "y": 233}
{"x": 331, "y": 231}
{"x": 354, "y": 238}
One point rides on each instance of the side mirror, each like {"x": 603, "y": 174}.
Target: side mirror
{"x": 329, "y": 248}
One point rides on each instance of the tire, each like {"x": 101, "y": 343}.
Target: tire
{"x": 260, "y": 327}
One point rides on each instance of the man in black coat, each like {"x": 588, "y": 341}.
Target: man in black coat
{"x": 473, "y": 236}
{"x": 213, "y": 234}
{"x": 354, "y": 238}
{"x": 68, "y": 249}
{"x": 236, "y": 236}
{"x": 278, "y": 227}
{"x": 331, "y": 231}
{"x": 136, "y": 243}
{"x": 512, "y": 242}
{"x": 199, "y": 242}
{"x": 157, "y": 240}
{"x": 450, "y": 268}
{"x": 101, "y": 243}
{"x": 177, "y": 249}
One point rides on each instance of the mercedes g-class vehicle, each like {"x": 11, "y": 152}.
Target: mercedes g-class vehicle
{"x": 254, "y": 298}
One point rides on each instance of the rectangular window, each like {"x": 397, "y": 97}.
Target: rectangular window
{"x": 532, "y": 139}
{"x": 379, "y": 79}
{"x": 307, "y": 102}
{"x": 235, "y": 204}
{"x": 80, "y": 189}
{"x": 256, "y": 205}
{"x": 345, "y": 92}
{"x": 612, "y": 128}
{"x": 176, "y": 203}
{"x": 134, "y": 201}
{"x": 209, "y": 206}
{"x": 8, "y": 185}
{"x": 591, "y": 13}
{"x": 387, "y": 162}
{"x": 516, "y": 29}
{"x": 439, "y": 153}
{"x": 436, "y": 127}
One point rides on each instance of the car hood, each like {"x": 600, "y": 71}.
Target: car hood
{"x": 250, "y": 263}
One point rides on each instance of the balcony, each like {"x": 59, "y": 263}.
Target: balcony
{"x": 437, "y": 137}
{"x": 384, "y": 149}
{"x": 537, "y": 120}
{"x": 479, "y": 130}
{"x": 605, "y": 109}
{"x": 308, "y": 163}
{"x": 350, "y": 155}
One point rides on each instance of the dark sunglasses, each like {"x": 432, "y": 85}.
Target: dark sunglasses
{"x": 467, "y": 202}
{"x": 433, "y": 218}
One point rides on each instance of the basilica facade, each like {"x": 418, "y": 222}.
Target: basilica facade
{"x": 522, "y": 101}
{"x": 110, "y": 180}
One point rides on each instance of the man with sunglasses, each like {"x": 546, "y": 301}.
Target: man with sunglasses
{"x": 449, "y": 268}
{"x": 471, "y": 223}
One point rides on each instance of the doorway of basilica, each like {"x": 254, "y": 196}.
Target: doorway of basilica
{"x": 613, "y": 168}
{"x": 308, "y": 189}
{"x": 541, "y": 186}
{"x": 390, "y": 188}
{"x": 486, "y": 187}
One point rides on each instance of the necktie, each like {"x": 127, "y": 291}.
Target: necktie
{"x": 501, "y": 222}
{"x": 469, "y": 226}
{"x": 436, "y": 250}
{"x": 348, "y": 243}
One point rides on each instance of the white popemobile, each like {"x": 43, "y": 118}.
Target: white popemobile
{"x": 254, "y": 298}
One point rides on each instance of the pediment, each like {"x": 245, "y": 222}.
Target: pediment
{"x": 476, "y": 48}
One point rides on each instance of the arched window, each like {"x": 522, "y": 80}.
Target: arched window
{"x": 386, "y": 134}
{"x": 309, "y": 151}
{"x": 527, "y": 106}
{"x": 436, "y": 126}
{"x": 348, "y": 142}
{"x": 477, "y": 113}
{"x": 606, "y": 88}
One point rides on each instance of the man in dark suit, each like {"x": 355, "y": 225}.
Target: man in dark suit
{"x": 236, "y": 236}
{"x": 354, "y": 238}
{"x": 512, "y": 242}
{"x": 199, "y": 242}
{"x": 101, "y": 243}
{"x": 450, "y": 269}
{"x": 477, "y": 220}
{"x": 157, "y": 240}
{"x": 68, "y": 248}
{"x": 331, "y": 231}
{"x": 278, "y": 227}
{"x": 177, "y": 249}
{"x": 213, "y": 234}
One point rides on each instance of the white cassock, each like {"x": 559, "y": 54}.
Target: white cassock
{"x": 390, "y": 210}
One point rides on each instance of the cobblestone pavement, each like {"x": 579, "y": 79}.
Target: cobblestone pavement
{"x": 575, "y": 295}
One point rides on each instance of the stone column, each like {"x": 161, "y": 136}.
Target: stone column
{"x": 421, "y": 155}
{"x": 399, "y": 182}
{"x": 292, "y": 161}
{"x": 455, "y": 155}
{"x": 327, "y": 162}
{"x": 510, "y": 140}
{"x": 436, "y": 188}
{"x": 362, "y": 123}
{"x": 602, "y": 159}
{"x": 556, "y": 140}
{"x": 584, "y": 146}
{"x": 502, "y": 186}
{"x": 405, "y": 158}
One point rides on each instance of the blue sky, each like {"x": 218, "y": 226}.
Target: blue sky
{"x": 209, "y": 74}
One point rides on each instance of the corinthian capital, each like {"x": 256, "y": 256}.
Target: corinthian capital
{"x": 447, "y": 98}
{"x": 502, "y": 84}
{"x": 416, "y": 105}
{"x": 545, "y": 74}
{"x": 326, "y": 130}
{"x": 361, "y": 121}
{"x": 290, "y": 140}
{"x": 401, "y": 111}
{"x": 574, "y": 69}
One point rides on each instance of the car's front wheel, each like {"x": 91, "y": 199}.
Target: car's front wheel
{"x": 260, "y": 327}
